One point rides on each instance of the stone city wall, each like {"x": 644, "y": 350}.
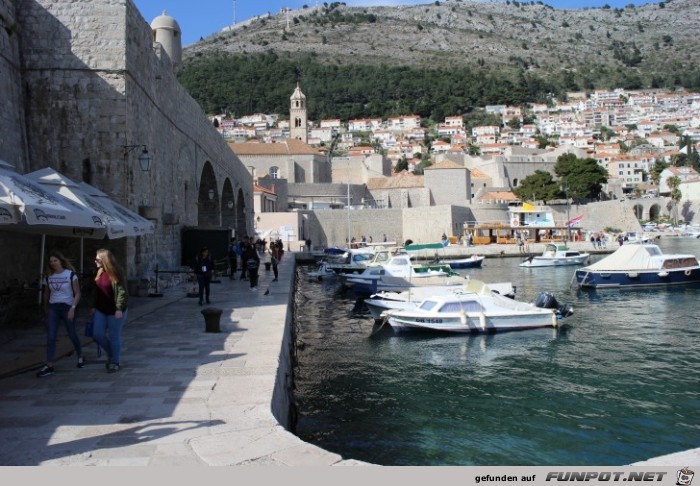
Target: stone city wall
{"x": 95, "y": 84}
{"x": 12, "y": 140}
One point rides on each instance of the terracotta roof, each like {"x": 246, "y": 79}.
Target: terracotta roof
{"x": 477, "y": 174}
{"x": 289, "y": 146}
{"x": 404, "y": 180}
{"x": 257, "y": 188}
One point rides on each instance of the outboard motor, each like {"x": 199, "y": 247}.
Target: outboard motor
{"x": 546, "y": 300}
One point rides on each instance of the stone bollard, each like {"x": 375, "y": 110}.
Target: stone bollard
{"x": 212, "y": 315}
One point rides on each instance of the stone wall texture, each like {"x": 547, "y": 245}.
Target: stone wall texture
{"x": 92, "y": 90}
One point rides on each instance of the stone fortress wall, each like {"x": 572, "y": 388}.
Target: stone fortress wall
{"x": 84, "y": 79}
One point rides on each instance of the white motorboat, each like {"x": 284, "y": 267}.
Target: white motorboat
{"x": 555, "y": 255}
{"x": 383, "y": 301}
{"x": 639, "y": 266}
{"x": 397, "y": 270}
{"x": 478, "y": 312}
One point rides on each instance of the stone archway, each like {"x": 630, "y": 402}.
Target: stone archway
{"x": 208, "y": 211}
{"x": 639, "y": 211}
{"x": 228, "y": 206}
{"x": 654, "y": 212}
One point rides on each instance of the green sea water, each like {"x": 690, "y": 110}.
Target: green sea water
{"x": 619, "y": 382}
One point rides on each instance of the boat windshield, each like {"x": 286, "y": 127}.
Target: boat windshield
{"x": 468, "y": 306}
{"x": 653, "y": 250}
{"x": 428, "y": 305}
{"x": 361, "y": 257}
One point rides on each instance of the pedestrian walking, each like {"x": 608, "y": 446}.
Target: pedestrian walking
{"x": 274, "y": 258}
{"x": 61, "y": 296}
{"x": 241, "y": 249}
{"x": 233, "y": 258}
{"x": 110, "y": 301}
{"x": 251, "y": 261}
{"x": 203, "y": 268}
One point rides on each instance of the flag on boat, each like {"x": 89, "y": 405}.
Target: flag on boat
{"x": 528, "y": 207}
{"x": 575, "y": 222}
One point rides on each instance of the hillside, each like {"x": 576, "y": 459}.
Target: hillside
{"x": 531, "y": 47}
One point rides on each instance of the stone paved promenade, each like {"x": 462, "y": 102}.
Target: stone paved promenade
{"x": 184, "y": 397}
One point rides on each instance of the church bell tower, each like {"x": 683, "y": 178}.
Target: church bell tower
{"x": 298, "y": 128}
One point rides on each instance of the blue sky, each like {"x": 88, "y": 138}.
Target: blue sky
{"x": 200, "y": 18}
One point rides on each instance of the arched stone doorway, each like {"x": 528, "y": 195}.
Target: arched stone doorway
{"x": 654, "y": 212}
{"x": 228, "y": 206}
{"x": 639, "y": 211}
{"x": 208, "y": 212}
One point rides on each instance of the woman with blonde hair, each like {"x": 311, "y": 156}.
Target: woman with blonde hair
{"x": 110, "y": 307}
{"x": 60, "y": 297}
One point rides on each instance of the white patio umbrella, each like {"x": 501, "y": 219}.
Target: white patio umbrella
{"x": 45, "y": 212}
{"x": 134, "y": 224}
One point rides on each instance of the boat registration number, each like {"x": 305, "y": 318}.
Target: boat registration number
{"x": 429, "y": 321}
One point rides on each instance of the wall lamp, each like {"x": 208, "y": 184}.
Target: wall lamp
{"x": 144, "y": 157}
{"x": 211, "y": 194}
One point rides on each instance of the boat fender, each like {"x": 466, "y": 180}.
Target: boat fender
{"x": 555, "y": 322}
{"x": 463, "y": 318}
{"x": 663, "y": 274}
{"x": 632, "y": 275}
{"x": 687, "y": 273}
{"x": 482, "y": 321}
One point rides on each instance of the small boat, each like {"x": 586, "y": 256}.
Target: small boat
{"x": 322, "y": 272}
{"x": 383, "y": 301}
{"x": 477, "y": 313}
{"x": 398, "y": 269}
{"x": 473, "y": 261}
{"x": 639, "y": 266}
{"x": 555, "y": 255}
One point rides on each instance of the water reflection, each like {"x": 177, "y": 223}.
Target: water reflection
{"x": 617, "y": 383}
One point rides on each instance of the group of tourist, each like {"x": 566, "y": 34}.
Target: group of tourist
{"x": 249, "y": 252}
{"x": 61, "y": 296}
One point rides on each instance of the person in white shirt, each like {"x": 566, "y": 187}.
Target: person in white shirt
{"x": 61, "y": 297}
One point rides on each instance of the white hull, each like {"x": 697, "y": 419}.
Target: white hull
{"x": 541, "y": 261}
{"x": 482, "y": 322}
{"x": 478, "y": 311}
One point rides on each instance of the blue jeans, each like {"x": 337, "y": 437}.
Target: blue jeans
{"x": 107, "y": 333}
{"x": 58, "y": 313}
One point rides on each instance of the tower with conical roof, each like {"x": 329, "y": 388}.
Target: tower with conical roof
{"x": 167, "y": 33}
{"x": 298, "y": 128}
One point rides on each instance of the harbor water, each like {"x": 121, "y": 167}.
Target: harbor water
{"x": 619, "y": 382}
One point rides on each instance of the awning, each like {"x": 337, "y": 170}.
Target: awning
{"x": 119, "y": 221}
{"x": 45, "y": 212}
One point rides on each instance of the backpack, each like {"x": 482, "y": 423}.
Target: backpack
{"x": 252, "y": 264}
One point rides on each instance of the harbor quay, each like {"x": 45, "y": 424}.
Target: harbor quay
{"x": 184, "y": 396}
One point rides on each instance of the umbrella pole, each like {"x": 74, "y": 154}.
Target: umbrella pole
{"x": 41, "y": 264}
{"x": 82, "y": 241}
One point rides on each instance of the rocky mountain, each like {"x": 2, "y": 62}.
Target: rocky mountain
{"x": 654, "y": 45}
